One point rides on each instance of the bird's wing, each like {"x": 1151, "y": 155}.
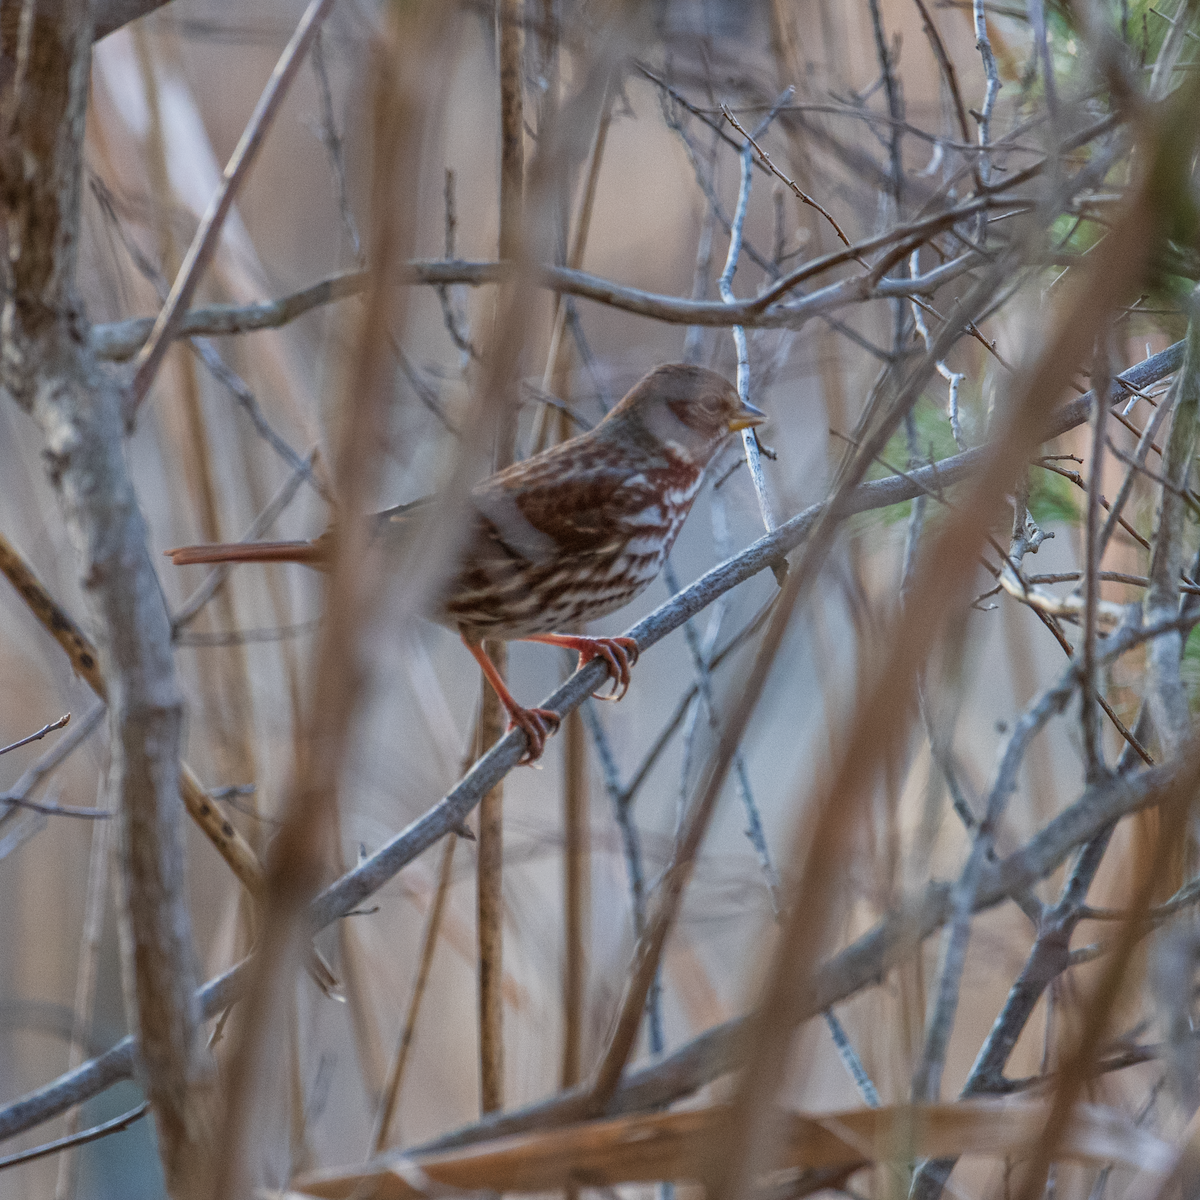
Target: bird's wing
{"x": 553, "y": 504}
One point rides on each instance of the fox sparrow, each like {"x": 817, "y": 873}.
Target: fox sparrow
{"x": 571, "y": 534}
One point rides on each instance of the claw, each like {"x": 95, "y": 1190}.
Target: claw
{"x": 620, "y": 654}
{"x": 537, "y": 724}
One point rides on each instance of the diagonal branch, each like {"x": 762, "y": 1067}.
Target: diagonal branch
{"x": 204, "y": 245}
{"x": 867, "y": 959}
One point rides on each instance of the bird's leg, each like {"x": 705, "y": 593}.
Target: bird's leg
{"x": 538, "y": 723}
{"x": 620, "y": 653}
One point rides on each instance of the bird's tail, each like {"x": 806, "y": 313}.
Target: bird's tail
{"x": 314, "y": 554}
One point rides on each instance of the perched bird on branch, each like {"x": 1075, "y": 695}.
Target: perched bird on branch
{"x": 569, "y": 535}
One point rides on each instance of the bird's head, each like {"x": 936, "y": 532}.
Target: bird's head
{"x": 689, "y": 409}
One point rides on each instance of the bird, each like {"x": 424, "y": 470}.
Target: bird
{"x": 566, "y": 536}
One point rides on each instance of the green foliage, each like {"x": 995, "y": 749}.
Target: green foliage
{"x": 1070, "y": 235}
{"x": 1053, "y": 498}
{"x": 1136, "y": 23}
{"x": 1171, "y": 168}
{"x": 1190, "y": 668}
{"x": 935, "y": 442}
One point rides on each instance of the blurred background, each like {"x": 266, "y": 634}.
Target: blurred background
{"x": 226, "y": 425}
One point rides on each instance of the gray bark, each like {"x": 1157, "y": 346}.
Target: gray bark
{"x": 49, "y": 369}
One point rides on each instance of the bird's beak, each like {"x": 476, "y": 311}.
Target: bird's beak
{"x": 747, "y": 418}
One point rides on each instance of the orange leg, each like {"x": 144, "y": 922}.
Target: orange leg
{"x": 538, "y": 723}
{"x": 620, "y": 653}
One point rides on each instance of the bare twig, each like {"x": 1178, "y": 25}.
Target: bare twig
{"x": 707, "y": 702}
{"x": 1093, "y": 748}
{"x": 946, "y": 67}
{"x": 192, "y": 606}
{"x": 116, "y": 1125}
{"x": 801, "y": 195}
{"x": 1166, "y": 693}
{"x": 725, "y": 286}
{"x": 867, "y": 959}
{"x": 953, "y": 378}
{"x": 37, "y": 737}
{"x": 86, "y": 975}
{"x": 333, "y": 144}
{"x": 204, "y": 244}
{"x": 18, "y": 795}
{"x": 429, "y": 939}
{"x": 984, "y": 45}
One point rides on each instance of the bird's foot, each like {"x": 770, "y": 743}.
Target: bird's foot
{"x": 619, "y": 653}
{"x": 538, "y": 724}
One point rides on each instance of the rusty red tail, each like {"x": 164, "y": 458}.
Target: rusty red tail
{"x": 311, "y": 553}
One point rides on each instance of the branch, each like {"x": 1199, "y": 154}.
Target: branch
{"x": 119, "y": 341}
{"x": 204, "y": 244}
{"x": 37, "y": 737}
{"x": 85, "y": 660}
{"x": 1166, "y": 692}
{"x": 864, "y": 962}
{"x": 714, "y": 1052}
{"x": 47, "y": 367}
{"x": 116, "y": 1125}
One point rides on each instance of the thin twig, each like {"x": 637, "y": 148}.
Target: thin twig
{"x": 1092, "y": 745}
{"x": 867, "y": 959}
{"x": 86, "y": 974}
{"x": 707, "y": 701}
{"x": 18, "y": 794}
{"x": 204, "y": 244}
{"x": 946, "y": 67}
{"x": 725, "y": 287}
{"x": 116, "y": 1125}
{"x": 797, "y": 191}
{"x": 192, "y": 606}
{"x": 333, "y": 144}
{"x": 953, "y": 378}
{"x": 991, "y": 71}
{"x": 622, "y": 802}
{"x": 37, "y": 737}
{"x": 850, "y": 1059}
{"x": 429, "y": 939}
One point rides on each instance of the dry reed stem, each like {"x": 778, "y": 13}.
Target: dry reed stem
{"x": 204, "y": 244}
{"x": 492, "y": 718}
{"x": 85, "y": 988}
{"x": 718, "y": 1050}
{"x": 490, "y": 901}
{"x": 576, "y": 893}
{"x": 429, "y": 940}
{"x": 205, "y": 811}
{"x": 681, "y": 1146}
{"x": 304, "y": 844}
{"x": 935, "y": 593}
{"x": 555, "y": 378}
{"x": 548, "y": 427}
